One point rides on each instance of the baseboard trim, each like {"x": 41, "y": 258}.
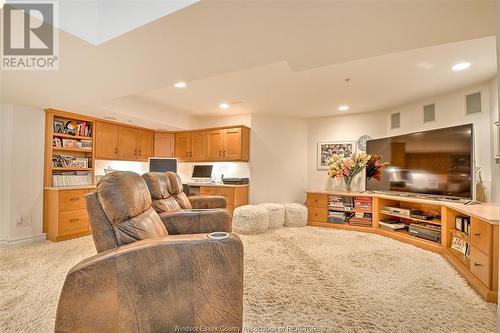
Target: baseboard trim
{"x": 23, "y": 240}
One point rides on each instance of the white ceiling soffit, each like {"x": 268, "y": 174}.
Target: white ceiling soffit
{"x": 97, "y": 21}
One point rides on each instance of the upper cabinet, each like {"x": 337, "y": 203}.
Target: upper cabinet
{"x": 106, "y": 141}
{"x": 116, "y": 142}
{"x": 225, "y": 144}
{"x": 164, "y": 144}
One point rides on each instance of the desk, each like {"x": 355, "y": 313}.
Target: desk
{"x": 236, "y": 195}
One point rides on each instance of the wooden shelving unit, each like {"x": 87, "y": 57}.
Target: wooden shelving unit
{"x": 479, "y": 266}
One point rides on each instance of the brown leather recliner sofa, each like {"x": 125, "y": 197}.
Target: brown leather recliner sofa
{"x": 175, "y": 208}
{"x": 144, "y": 280}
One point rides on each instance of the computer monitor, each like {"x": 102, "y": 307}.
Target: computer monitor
{"x": 202, "y": 171}
{"x": 159, "y": 164}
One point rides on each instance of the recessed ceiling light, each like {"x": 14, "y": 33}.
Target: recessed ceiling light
{"x": 224, "y": 106}
{"x": 343, "y": 108}
{"x": 180, "y": 84}
{"x": 460, "y": 66}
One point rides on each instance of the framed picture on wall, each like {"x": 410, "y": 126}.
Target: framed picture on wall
{"x": 329, "y": 148}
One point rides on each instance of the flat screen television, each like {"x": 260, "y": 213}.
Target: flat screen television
{"x": 437, "y": 162}
{"x": 158, "y": 164}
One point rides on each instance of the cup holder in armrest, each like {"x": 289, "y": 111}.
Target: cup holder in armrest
{"x": 218, "y": 235}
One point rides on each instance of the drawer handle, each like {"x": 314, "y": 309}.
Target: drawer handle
{"x": 74, "y": 199}
{"x": 476, "y": 264}
{"x": 477, "y": 234}
{"x": 74, "y": 220}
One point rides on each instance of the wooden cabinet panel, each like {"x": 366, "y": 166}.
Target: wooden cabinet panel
{"x": 106, "y": 140}
{"x": 73, "y": 222}
{"x": 480, "y": 266}
{"x": 208, "y": 190}
{"x": 144, "y": 144}
{"x": 317, "y": 200}
{"x": 164, "y": 145}
{"x": 232, "y": 144}
{"x": 198, "y": 147}
{"x": 480, "y": 235}
{"x": 228, "y": 193}
{"x": 72, "y": 200}
{"x": 183, "y": 146}
{"x": 215, "y": 145}
{"x": 317, "y": 214}
{"x": 127, "y": 143}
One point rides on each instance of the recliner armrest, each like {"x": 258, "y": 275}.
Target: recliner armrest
{"x": 197, "y": 222}
{"x": 156, "y": 285}
{"x": 207, "y": 202}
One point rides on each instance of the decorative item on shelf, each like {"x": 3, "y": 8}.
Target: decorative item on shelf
{"x": 346, "y": 168}
{"x": 69, "y": 143}
{"x": 86, "y": 144}
{"x": 374, "y": 168}
{"x": 327, "y": 149}
{"x": 480, "y": 188}
{"x": 58, "y": 126}
{"x": 56, "y": 142}
{"x": 70, "y": 127}
{"x": 361, "y": 143}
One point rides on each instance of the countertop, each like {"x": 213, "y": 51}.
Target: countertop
{"x": 488, "y": 212}
{"x": 67, "y": 188}
{"x": 216, "y": 185}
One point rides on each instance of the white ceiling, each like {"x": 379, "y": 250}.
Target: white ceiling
{"x": 279, "y": 57}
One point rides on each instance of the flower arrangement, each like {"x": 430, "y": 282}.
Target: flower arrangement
{"x": 345, "y": 168}
{"x": 374, "y": 168}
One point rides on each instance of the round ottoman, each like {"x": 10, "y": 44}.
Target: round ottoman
{"x": 276, "y": 214}
{"x": 250, "y": 219}
{"x": 295, "y": 215}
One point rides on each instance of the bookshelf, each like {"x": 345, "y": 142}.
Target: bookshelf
{"x": 69, "y": 149}
{"x": 478, "y": 264}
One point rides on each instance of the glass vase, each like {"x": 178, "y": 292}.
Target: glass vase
{"x": 348, "y": 183}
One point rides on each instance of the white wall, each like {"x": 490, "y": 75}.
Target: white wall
{"x": 228, "y": 169}
{"x": 22, "y": 170}
{"x": 278, "y": 150}
{"x": 450, "y": 111}
{"x": 339, "y": 128}
{"x": 495, "y": 163}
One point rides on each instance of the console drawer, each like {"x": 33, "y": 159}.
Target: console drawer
{"x": 73, "y": 222}
{"x": 480, "y": 266}
{"x": 206, "y": 190}
{"x": 72, "y": 200}
{"x": 317, "y": 214}
{"x": 317, "y": 200}
{"x": 481, "y": 235}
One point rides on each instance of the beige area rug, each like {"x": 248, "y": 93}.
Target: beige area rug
{"x": 301, "y": 279}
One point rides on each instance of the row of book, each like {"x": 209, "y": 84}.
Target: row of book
{"x": 462, "y": 223}
{"x": 71, "y": 179}
{"x": 353, "y": 218}
{"x": 72, "y": 143}
{"x": 68, "y": 161}
{"x": 358, "y": 203}
{"x": 72, "y": 127}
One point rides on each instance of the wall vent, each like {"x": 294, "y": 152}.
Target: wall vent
{"x": 473, "y": 103}
{"x": 395, "y": 120}
{"x": 429, "y": 112}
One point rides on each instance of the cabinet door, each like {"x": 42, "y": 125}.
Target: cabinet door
{"x": 106, "y": 141}
{"x": 182, "y": 146}
{"x": 232, "y": 144}
{"x": 164, "y": 145}
{"x": 127, "y": 143}
{"x": 144, "y": 144}
{"x": 215, "y": 145}
{"x": 198, "y": 147}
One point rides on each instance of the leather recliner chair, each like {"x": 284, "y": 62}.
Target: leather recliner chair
{"x": 144, "y": 280}
{"x": 176, "y": 209}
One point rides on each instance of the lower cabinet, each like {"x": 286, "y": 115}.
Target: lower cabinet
{"x": 65, "y": 213}
{"x": 235, "y": 195}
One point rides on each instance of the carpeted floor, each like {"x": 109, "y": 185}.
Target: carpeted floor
{"x": 300, "y": 279}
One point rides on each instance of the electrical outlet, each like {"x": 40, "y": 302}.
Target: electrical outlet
{"x": 19, "y": 221}
{"x": 27, "y": 221}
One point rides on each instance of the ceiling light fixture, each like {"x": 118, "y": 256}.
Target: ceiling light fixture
{"x": 224, "y": 106}
{"x": 460, "y": 66}
{"x": 180, "y": 84}
{"x": 343, "y": 108}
